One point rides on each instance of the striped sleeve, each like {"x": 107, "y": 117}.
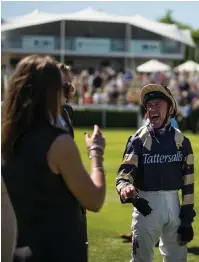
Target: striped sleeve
{"x": 187, "y": 209}
{"x": 128, "y": 168}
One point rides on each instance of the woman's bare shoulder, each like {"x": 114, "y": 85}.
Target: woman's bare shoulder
{"x": 62, "y": 150}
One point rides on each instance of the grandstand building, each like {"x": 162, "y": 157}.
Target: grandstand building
{"x": 90, "y": 38}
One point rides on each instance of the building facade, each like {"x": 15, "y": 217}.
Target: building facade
{"x": 90, "y": 38}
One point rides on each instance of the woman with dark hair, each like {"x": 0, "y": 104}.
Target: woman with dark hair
{"x": 43, "y": 172}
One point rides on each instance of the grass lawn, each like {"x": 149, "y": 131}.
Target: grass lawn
{"x": 104, "y": 227}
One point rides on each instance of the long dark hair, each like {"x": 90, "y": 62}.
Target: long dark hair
{"x": 32, "y": 96}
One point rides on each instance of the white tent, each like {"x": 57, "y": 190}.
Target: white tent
{"x": 188, "y": 66}
{"x": 153, "y": 66}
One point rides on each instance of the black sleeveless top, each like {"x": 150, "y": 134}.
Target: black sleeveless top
{"x": 49, "y": 217}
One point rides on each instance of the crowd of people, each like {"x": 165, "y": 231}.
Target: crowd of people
{"x": 108, "y": 87}
{"x": 105, "y": 86}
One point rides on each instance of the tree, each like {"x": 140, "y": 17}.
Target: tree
{"x": 195, "y": 35}
{"x": 168, "y": 19}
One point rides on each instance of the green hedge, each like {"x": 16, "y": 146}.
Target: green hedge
{"x": 113, "y": 118}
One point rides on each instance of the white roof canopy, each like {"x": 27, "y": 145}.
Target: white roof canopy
{"x": 93, "y": 15}
{"x": 34, "y": 18}
{"x": 153, "y": 66}
{"x": 188, "y": 66}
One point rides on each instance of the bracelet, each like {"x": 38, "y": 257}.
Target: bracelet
{"x": 96, "y": 147}
{"x": 95, "y": 155}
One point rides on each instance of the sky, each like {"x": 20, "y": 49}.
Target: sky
{"x": 185, "y": 12}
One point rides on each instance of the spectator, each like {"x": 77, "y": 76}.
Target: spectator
{"x": 97, "y": 81}
{"x": 99, "y": 97}
{"x": 42, "y": 165}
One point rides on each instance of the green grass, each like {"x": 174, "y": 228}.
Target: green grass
{"x": 104, "y": 227}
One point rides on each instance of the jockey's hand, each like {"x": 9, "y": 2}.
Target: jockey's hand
{"x": 128, "y": 192}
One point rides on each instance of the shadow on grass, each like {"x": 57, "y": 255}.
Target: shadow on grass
{"x": 193, "y": 250}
